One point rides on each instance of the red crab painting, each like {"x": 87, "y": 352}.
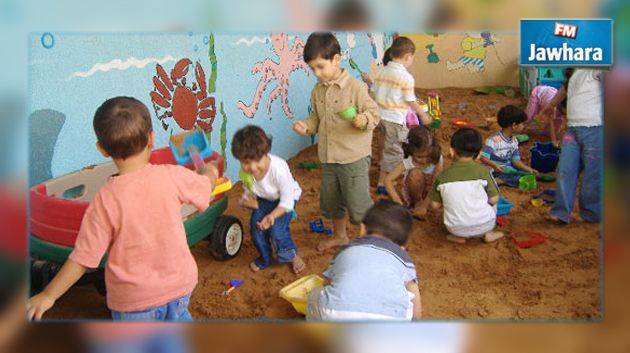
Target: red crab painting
{"x": 187, "y": 106}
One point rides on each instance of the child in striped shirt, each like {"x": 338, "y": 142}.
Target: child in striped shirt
{"x": 393, "y": 91}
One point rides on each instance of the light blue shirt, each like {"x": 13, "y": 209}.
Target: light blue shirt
{"x": 369, "y": 276}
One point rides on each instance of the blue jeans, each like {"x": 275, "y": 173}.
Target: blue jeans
{"x": 581, "y": 151}
{"x": 278, "y": 236}
{"x": 508, "y": 179}
{"x": 176, "y": 310}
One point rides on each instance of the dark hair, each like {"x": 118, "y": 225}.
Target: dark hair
{"x": 510, "y": 115}
{"x": 400, "y": 47}
{"x": 322, "y": 45}
{"x": 389, "y": 219}
{"x": 250, "y": 143}
{"x": 122, "y": 126}
{"x": 421, "y": 138}
{"x": 568, "y": 72}
{"x": 466, "y": 142}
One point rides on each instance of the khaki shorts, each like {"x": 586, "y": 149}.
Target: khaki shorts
{"x": 393, "y": 137}
{"x": 346, "y": 187}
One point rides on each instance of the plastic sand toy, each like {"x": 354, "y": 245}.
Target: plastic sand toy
{"x": 527, "y": 183}
{"x": 434, "y": 105}
{"x": 503, "y": 206}
{"x": 527, "y": 240}
{"x": 349, "y": 113}
{"x": 317, "y": 226}
{"x": 547, "y": 196}
{"x": 461, "y": 122}
{"x": 190, "y": 147}
{"x": 235, "y": 283}
{"x": 522, "y": 138}
{"x": 545, "y": 157}
{"x": 297, "y": 292}
{"x": 546, "y": 178}
{"x": 223, "y": 185}
{"x": 501, "y": 221}
{"x": 309, "y": 165}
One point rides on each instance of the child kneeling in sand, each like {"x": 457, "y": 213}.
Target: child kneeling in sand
{"x": 371, "y": 278}
{"x": 423, "y": 162}
{"x": 276, "y": 193}
{"x": 467, "y": 191}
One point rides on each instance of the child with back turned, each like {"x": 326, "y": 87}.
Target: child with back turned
{"x": 136, "y": 219}
{"x": 467, "y": 191}
{"x": 394, "y": 92}
{"x": 344, "y": 146}
{"x": 373, "y": 277}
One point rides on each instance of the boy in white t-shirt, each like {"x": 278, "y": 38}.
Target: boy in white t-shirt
{"x": 276, "y": 193}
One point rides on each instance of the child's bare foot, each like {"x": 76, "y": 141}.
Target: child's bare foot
{"x": 454, "y": 239}
{"x": 332, "y": 243}
{"x": 253, "y": 267}
{"x": 492, "y": 236}
{"x": 420, "y": 212}
{"x": 298, "y": 265}
{"x": 555, "y": 220}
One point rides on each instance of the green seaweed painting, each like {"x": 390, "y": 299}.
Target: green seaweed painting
{"x": 213, "y": 73}
{"x": 213, "y": 62}
{"x": 223, "y": 135}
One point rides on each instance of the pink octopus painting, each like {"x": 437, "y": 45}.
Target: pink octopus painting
{"x": 289, "y": 60}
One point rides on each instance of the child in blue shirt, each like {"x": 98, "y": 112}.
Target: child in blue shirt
{"x": 501, "y": 150}
{"x": 371, "y": 278}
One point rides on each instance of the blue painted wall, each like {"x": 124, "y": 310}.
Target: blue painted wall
{"x": 72, "y": 74}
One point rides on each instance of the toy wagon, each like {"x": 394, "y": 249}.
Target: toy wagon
{"x": 57, "y": 207}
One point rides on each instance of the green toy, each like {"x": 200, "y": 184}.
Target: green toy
{"x": 349, "y": 113}
{"x": 247, "y": 179}
{"x": 522, "y": 138}
{"x": 547, "y": 178}
{"x": 527, "y": 183}
{"x": 309, "y": 165}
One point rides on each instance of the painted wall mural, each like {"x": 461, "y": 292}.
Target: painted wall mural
{"x": 465, "y": 59}
{"x": 188, "y": 105}
{"x": 432, "y": 57}
{"x": 474, "y": 52}
{"x": 182, "y": 78}
{"x": 289, "y": 59}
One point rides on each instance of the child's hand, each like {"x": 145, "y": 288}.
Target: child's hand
{"x": 366, "y": 78}
{"x": 360, "y": 122}
{"x": 210, "y": 169}
{"x": 248, "y": 202}
{"x": 556, "y": 143}
{"x": 534, "y": 171}
{"x": 38, "y": 305}
{"x": 266, "y": 223}
{"x": 300, "y": 127}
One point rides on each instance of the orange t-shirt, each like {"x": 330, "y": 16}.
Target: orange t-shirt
{"x": 136, "y": 219}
